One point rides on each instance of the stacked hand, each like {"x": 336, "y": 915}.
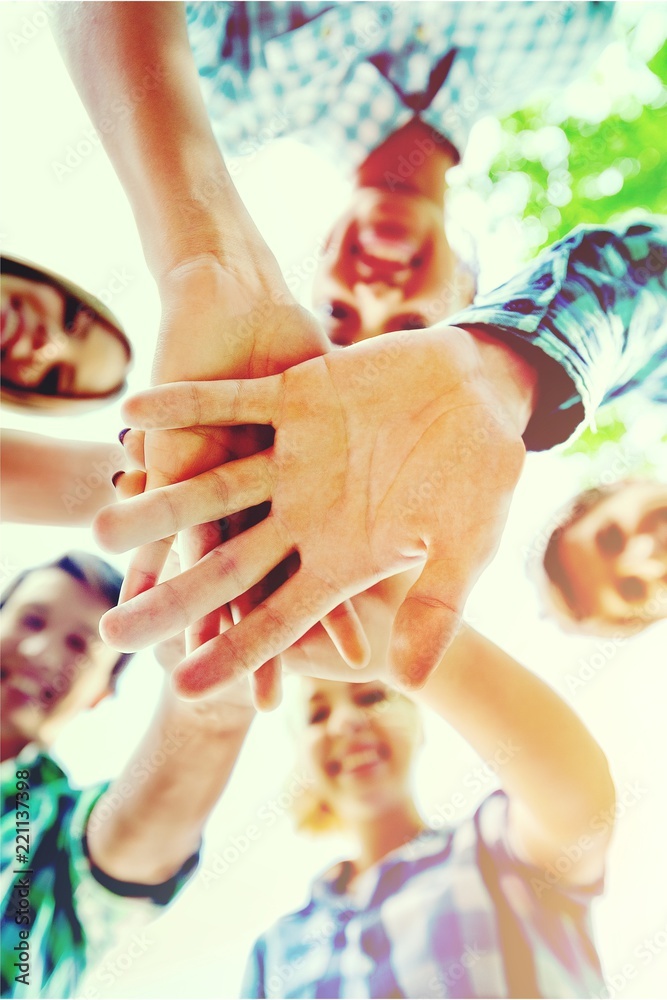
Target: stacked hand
{"x": 388, "y": 455}
{"x": 221, "y": 322}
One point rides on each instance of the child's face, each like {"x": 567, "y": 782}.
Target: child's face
{"x": 360, "y": 740}
{"x": 615, "y": 557}
{"x": 54, "y": 663}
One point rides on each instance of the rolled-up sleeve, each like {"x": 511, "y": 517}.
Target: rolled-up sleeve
{"x": 591, "y": 314}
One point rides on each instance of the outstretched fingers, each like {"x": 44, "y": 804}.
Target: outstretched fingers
{"x": 223, "y": 574}
{"x": 195, "y": 543}
{"x": 198, "y": 404}
{"x": 427, "y": 622}
{"x": 266, "y": 685}
{"x": 344, "y": 628}
{"x": 145, "y": 569}
{"x": 129, "y": 484}
{"x": 168, "y": 509}
{"x": 266, "y": 632}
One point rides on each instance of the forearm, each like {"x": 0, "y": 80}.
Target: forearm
{"x": 151, "y": 819}
{"x": 133, "y": 67}
{"x": 549, "y": 762}
{"x": 513, "y": 380}
{"x": 555, "y": 774}
{"x": 46, "y": 481}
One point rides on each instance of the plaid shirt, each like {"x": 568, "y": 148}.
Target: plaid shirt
{"x": 72, "y": 918}
{"x": 427, "y": 921}
{"x": 594, "y": 303}
{"x": 342, "y": 77}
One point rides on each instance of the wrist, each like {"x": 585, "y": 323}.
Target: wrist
{"x": 217, "y": 716}
{"x": 513, "y": 378}
{"x": 195, "y": 213}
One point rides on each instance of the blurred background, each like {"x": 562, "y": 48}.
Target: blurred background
{"x": 596, "y": 151}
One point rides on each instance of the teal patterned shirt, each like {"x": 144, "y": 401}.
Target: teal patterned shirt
{"x": 57, "y": 918}
{"x": 591, "y": 314}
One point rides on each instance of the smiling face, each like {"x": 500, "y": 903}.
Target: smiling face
{"x": 54, "y": 663}
{"x": 52, "y": 344}
{"x": 359, "y": 741}
{"x": 387, "y": 267}
{"x": 613, "y": 560}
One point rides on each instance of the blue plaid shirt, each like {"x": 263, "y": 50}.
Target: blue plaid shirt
{"x": 429, "y": 921}
{"x": 591, "y": 313}
{"x": 342, "y": 77}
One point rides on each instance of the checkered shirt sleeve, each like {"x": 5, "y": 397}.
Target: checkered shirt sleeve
{"x": 596, "y": 304}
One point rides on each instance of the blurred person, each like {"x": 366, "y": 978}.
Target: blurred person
{"x": 61, "y": 347}
{"x": 519, "y": 371}
{"x": 605, "y": 564}
{"x": 80, "y": 866}
{"x": 388, "y": 92}
{"x": 63, "y": 351}
{"x": 498, "y": 904}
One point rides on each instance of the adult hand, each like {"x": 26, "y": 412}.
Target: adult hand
{"x": 226, "y": 310}
{"x": 224, "y": 320}
{"x": 389, "y": 454}
{"x": 314, "y": 656}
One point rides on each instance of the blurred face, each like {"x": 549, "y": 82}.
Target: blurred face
{"x": 615, "y": 557}
{"x": 360, "y": 740}
{"x": 387, "y": 267}
{"x": 54, "y": 663}
{"x": 52, "y": 344}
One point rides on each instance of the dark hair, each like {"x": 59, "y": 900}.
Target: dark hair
{"x": 95, "y": 574}
{"x": 73, "y": 302}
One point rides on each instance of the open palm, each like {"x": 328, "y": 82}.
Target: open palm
{"x": 389, "y": 455}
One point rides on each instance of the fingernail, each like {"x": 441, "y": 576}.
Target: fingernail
{"x": 122, "y": 434}
{"x": 116, "y": 476}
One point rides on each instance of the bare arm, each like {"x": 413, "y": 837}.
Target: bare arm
{"x": 219, "y": 282}
{"x": 151, "y": 819}
{"x": 555, "y": 774}
{"x": 226, "y": 309}
{"x": 132, "y": 65}
{"x": 47, "y": 481}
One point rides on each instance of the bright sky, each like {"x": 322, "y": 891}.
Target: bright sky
{"x": 77, "y": 222}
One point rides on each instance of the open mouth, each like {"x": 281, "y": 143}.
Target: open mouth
{"x": 14, "y": 697}
{"x": 22, "y": 689}
{"x": 12, "y": 325}
{"x": 389, "y": 242}
{"x": 358, "y": 760}
{"x": 386, "y": 251}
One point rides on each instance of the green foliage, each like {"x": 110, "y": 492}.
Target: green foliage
{"x": 575, "y": 170}
{"x": 609, "y": 430}
{"x": 581, "y": 171}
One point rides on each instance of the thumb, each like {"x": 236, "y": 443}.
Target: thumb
{"x": 426, "y": 623}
